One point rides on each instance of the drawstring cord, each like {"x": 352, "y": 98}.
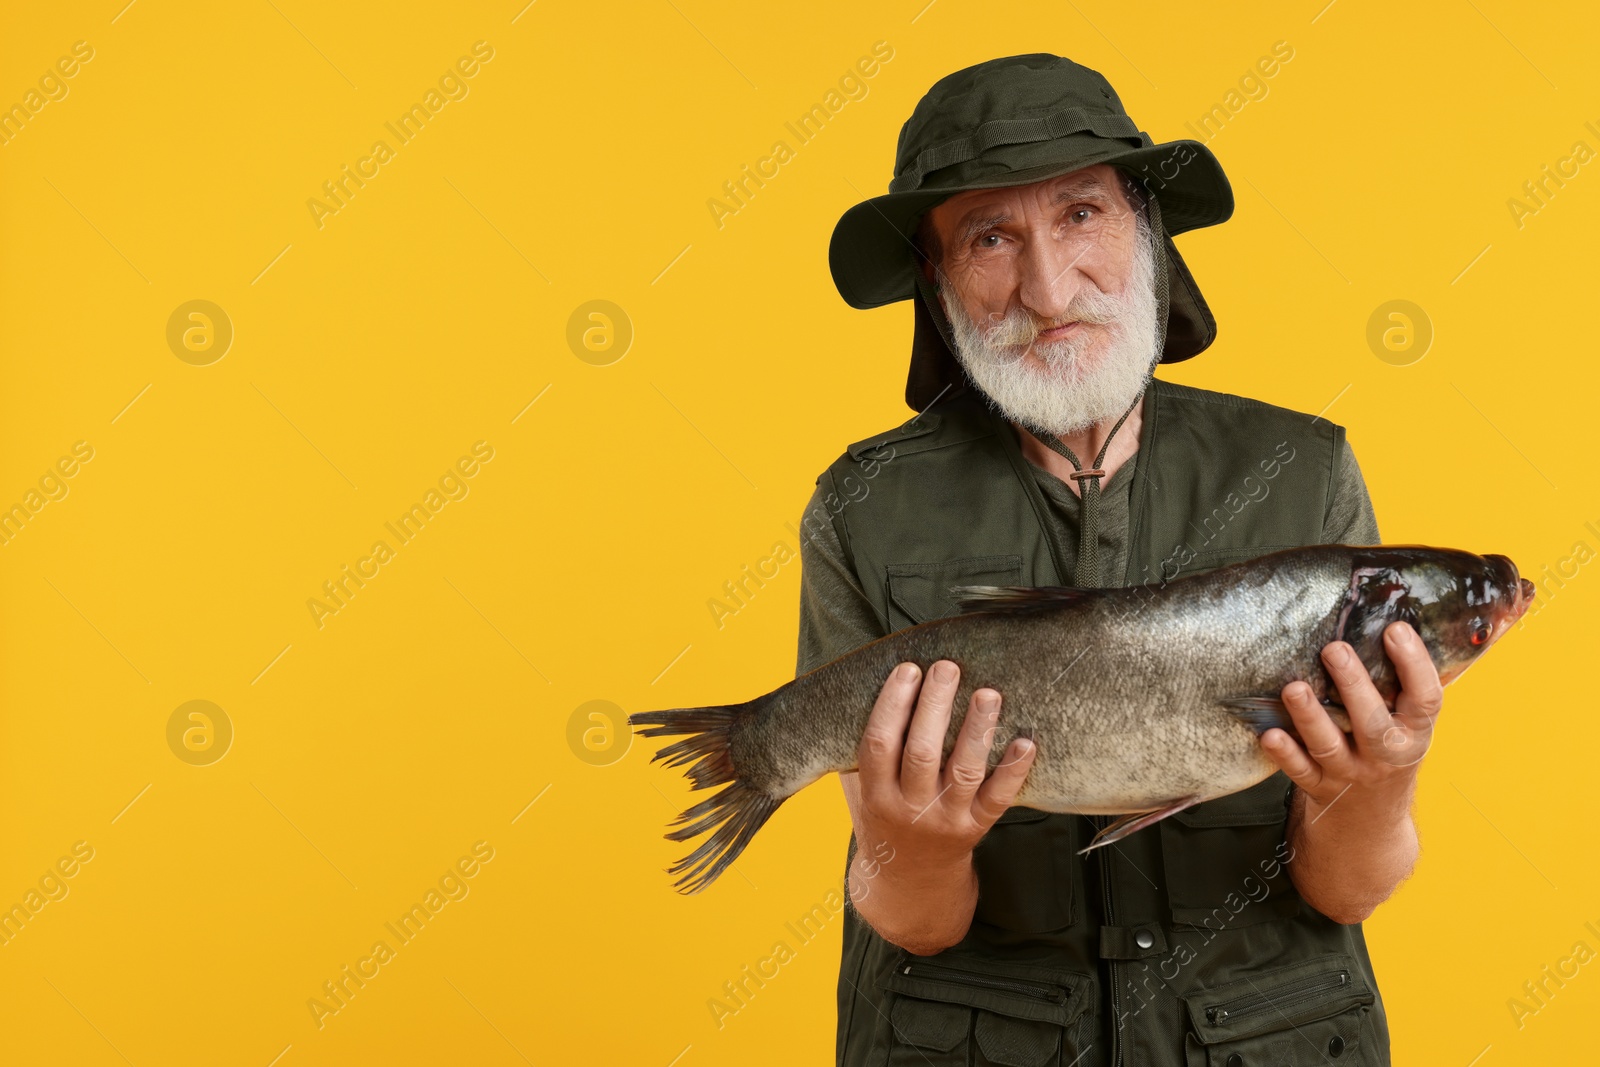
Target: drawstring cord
{"x": 1086, "y": 571}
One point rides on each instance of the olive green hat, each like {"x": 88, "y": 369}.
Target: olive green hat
{"x": 1015, "y": 121}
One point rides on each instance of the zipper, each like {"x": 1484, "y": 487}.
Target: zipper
{"x": 1291, "y": 994}
{"x": 1113, "y": 973}
{"x": 1038, "y": 990}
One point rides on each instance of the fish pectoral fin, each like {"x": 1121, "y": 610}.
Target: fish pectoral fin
{"x": 1138, "y": 821}
{"x": 1262, "y": 713}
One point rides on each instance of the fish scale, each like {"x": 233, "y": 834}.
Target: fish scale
{"x": 1141, "y": 700}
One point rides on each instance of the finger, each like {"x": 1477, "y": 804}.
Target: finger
{"x": 969, "y": 760}
{"x": 924, "y": 751}
{"x": 1322, "y": 740}
{"x": 1286, "y": 752}
{"x": 998, "y": 793}
{"x": 878, "y": 755}
{"x": 1369, "y": 716}
{"x": 1421, "y": 693}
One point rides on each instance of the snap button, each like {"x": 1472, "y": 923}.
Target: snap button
{"x": 1144, "y": 939}
{"x": 1236, "y": 1060}
{"x": 1335, "y": 1045}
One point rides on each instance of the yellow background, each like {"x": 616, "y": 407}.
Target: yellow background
{"x": 370, "y": 353}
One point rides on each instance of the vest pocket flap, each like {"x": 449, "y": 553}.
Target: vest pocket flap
{"x": 1012, "y": 990}
{"x": 1278, "y": 999}
{"x": 1016, "y": 1042}
{"x": 929, "y": 1024}
{"x": 1263, "y": 804}
{"x": 921, "y": 590}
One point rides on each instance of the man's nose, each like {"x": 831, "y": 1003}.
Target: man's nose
{"x": 1049, "y": 278}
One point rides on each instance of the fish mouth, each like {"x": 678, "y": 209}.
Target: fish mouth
{"x": 1520, "y": 589}
{"x": 1526, "y": 591}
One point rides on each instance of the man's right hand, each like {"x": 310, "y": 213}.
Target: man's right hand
{"x": 928, "y": 811}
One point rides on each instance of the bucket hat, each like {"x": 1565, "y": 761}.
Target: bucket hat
{"x": 1015, "y": 121}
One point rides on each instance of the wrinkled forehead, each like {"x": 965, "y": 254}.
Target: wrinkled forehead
{"x": 1099, "y": 182}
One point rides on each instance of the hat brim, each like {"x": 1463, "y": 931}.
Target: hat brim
{"x": 873, "y": 260}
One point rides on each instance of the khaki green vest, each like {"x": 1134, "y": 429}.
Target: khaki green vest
{"x": 1185, "y": 943}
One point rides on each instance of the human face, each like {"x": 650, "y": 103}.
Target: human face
{"x": 1042, "y": 372}
{"x": 1037, "y": 248}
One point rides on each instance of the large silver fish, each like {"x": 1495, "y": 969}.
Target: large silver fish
{"x": 1142, "y": 700}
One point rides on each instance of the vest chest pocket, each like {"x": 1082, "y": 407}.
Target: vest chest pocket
{"x": 1227, "y": 859}
{"x": 918, "y": 592}
{"x": 1309, "y": 1014}
{"x": 959, "y": 1011}
{"x": 1024, "y": 868}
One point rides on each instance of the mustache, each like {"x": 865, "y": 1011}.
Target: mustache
{"x": 1021, "y": 326}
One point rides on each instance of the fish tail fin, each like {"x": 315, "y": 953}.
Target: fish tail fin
{"x": 733, "y": 815}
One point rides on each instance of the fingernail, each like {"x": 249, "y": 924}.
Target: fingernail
{"x": 943, "y": 671}
{"x": 1401, "y": 634}
{"x": 1341, "y": 655}
{"x": 989, "y": 703}
{"x": 906, "y": 671}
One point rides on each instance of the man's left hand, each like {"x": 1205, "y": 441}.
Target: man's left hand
{"x": 1379, "y": 757}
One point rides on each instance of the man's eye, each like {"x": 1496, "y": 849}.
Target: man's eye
{"x": 1085, "y": 211}
{"x": 983, "y": 242}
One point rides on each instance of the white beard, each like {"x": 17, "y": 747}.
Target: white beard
{"x": 1083, "y": 379}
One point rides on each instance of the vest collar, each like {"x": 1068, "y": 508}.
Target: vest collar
{"x": 1139, "y": 494}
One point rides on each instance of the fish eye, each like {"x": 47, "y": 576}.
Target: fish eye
{"x": 1480, "y": 631}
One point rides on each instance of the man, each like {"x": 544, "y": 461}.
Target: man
{"x": 1030, "y": 221}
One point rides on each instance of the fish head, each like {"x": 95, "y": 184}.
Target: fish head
{"x": 1459, "y": 603}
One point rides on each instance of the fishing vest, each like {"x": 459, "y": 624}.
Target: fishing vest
{"x": 1186, "y": 942}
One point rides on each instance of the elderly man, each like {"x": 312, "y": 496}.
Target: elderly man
{"x": 1030, "y": 221}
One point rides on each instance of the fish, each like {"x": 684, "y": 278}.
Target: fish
{"x": 1142, "y": 700}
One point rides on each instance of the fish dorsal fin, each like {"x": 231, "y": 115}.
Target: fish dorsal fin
{"x": 1011, "y": 599}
